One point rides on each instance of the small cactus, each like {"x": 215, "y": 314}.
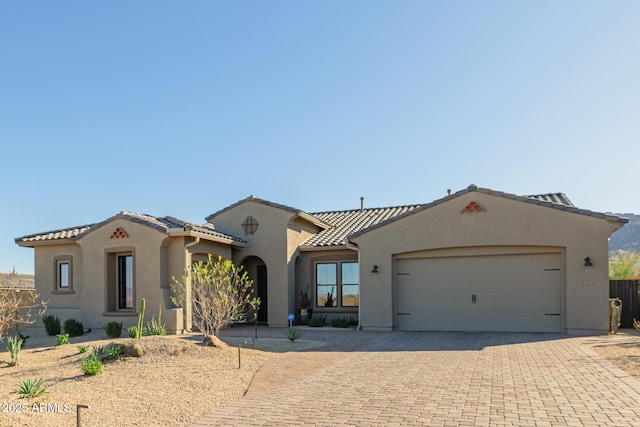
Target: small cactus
{"x": 140, "y": 318}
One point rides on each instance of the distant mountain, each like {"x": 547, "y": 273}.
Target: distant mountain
{"x": 628, "y": 237}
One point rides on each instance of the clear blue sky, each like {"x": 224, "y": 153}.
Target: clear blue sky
{"x": 182, "y": 108}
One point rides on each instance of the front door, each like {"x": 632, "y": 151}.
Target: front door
{"x": 261, "y": 286}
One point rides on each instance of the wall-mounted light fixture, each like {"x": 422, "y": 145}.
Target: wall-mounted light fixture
{"x": 375, "y": 269}
{"x": 587, "y": 262}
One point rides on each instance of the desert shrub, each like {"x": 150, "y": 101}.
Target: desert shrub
{"x": 29, "y": 388}
{"x": 73, "y": 328}
{"x": 133, "y": 330}
{"x": 154, "y": 327}
{"x": 14, "y": 345}
{"x": 293, "y": 334}
{"x": 51, "y": 325}
{"x": 221, "y": 293}
{"x": 83, "y": 348}
{"x": 18, "y": 306}
{"x": 113, "y": 329}
{"x": 91, "y": 365}
{"x": 317, "y": 320}
{"x": 341, "y": 322}
{"x": 114, "y": 352}
{"x": 62, "y": 339}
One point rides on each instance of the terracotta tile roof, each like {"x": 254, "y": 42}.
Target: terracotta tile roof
{"x": 61, "y": 234}
{"x": 344, "y": 223}
{"x": 559, "y": 198}
{"x": 164, "y": 224}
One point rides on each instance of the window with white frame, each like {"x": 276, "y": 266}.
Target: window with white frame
{"x": 337, "y": 284}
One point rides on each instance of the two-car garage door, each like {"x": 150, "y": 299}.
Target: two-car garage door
{"x": 480, "y": 293}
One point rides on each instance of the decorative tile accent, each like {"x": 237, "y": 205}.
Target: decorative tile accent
{"x": 473, "y": 207}
{"x": 119, "y": 233}
{"x": 250, "y": 225}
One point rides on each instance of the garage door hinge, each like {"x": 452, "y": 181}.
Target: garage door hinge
{"x": 552, "y": 314}
{"x": 403, "y": 274}
{"x": 551, "y": 269}
{"x": 403, "y": 314}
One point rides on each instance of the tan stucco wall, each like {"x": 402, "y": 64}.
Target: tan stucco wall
{"x": 45, "y": 280}
{"x": 145, "y": 243}
{"x": 275, "y": 242}
{"x": 506, "y": 222}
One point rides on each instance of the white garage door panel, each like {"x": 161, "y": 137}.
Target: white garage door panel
{"x": 512, "y": 293}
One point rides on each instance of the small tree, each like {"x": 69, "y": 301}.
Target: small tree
{"x": 621, "y": 264}
{"x": 18, "y": 305}
{"x": 220, "y": 293}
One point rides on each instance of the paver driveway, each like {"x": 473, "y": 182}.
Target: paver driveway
{"x": 436, "y": 379}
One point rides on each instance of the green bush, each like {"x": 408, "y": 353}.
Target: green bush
{"x": 317, "y": 320}
{"x": 114, "y": 352}
{"x": 91, "y": 365}
{"x": 83, "y": 348}
{"x": 51, "y": 325}
{"x": 341, "y": 322}
{"x": 73, "y": 328}
{"x": 29, "y": 388}
{"x": 113, "y": 329}
{"x": 132, "y": 331}
{"x": 62, "y": 339}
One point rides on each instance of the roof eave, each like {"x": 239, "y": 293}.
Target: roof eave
{"x": 181, "y": 232}
{"x": 311, "y": 248}
{"x": 34, "y": 243}
{"x": 312, "y": 219}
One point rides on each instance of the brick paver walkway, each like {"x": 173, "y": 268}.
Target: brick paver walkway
{"x": 437, "y": 379}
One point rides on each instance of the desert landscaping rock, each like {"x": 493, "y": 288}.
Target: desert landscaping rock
{"x": 213, "y": 341}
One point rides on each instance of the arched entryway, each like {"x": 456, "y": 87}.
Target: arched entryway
{"x": 257, "y": 270}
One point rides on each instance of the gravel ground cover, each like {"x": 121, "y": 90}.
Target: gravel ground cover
{"x": 175, "y": 382}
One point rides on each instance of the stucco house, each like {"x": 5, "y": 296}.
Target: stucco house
{"x": 474, "y": 260}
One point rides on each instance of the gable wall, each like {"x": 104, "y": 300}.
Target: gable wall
{"x": 506, "y": 223}
{"x": 274, "y": 243}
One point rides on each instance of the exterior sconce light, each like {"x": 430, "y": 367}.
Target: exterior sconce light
{"x": 375, "y": 269}
{"x": 587, "y": 262}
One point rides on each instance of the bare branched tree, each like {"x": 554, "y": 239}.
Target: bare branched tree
{"x": 18, "y": 306}
{"x": 220, "y": 293}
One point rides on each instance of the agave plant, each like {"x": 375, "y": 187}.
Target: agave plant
{"x": 293, "y": 333}
{"x": 29, "y": 388}
{"x": 14, "y": 345}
